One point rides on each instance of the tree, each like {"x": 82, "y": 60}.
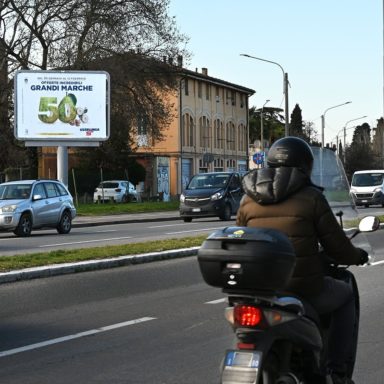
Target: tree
{"x": 128, "y": 38}
{"x": 273, "y": 125}
{"x": 359, "y": 155}
{"x": 296, "y": 125}
{"x": 378, "y": 142}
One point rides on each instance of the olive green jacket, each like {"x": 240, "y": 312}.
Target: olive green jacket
{"x": 285, "y": 199}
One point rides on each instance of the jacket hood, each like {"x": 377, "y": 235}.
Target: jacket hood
{"x": 271, "y": 185}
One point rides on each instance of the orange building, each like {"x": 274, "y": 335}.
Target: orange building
{"x": 209, "y": 133}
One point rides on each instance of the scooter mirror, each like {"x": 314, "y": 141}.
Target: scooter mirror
{"x": 369, "y": 224}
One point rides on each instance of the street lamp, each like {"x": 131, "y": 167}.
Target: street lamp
{"x": 285, "y": 79}
{"x": 323, "y": 120}
{"x": 262, "y": 132}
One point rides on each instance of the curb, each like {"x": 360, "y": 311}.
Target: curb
{"x": 91, "y": 265}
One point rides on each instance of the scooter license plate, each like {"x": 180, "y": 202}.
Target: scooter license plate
{"x": 241, "y": 367}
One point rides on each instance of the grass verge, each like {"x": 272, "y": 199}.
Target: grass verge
{"x": 115, "y": 209}
{"x": 11, "y": 263}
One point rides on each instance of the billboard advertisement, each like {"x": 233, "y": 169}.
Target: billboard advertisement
{"x": 62, "y": 106}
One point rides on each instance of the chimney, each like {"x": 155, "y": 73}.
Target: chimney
{"x": 204, "y": 71}
{"x": 170, "y": 60}
{"x": 180, "y": 61}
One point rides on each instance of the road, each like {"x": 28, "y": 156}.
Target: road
{"x": 111, "y": 234}
{"x": 148, "y": 323}
{"x": 132, "y": 228}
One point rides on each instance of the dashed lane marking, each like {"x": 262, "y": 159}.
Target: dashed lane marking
{"x": 75, "y": 336}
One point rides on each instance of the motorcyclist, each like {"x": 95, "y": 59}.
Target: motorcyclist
{"x": 282, "y": 196}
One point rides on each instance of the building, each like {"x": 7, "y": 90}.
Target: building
{"x": 209, "y": 133}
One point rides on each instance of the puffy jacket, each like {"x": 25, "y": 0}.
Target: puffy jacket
{"x": 285, "y": 199}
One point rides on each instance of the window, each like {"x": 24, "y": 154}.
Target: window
{"x": 199, "y": 90}
{"x": 217, "y": 95}
{"x": 186, "y": 87}
{"x": 62, "y": 190}
{"x": 205, "y": 132}
{"x": 218, "y": 165}
{"x": 231, "y": 165}
{"x": 242, "y": 103}
{"x": 233, "y": 97}
{"x": 242, "y": 137}
{"x": 218, "y": 134}
{"x": 228, "y": 96}
{"x": 188, "y": 127}
{"x": 231, "y": 136}
{"x": 51, "y": 190}
{"x": 207, "y": 91}
{"x": 39, "y": 190}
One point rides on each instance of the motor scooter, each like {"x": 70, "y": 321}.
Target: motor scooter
{"x": 280, "y": 339}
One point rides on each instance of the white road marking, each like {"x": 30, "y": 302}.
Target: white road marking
{"x": 106, "y": 231}
{"x": 85, "y": 241}
{"x": 75, "y": 336}
{"x": 193, "y": 230}
{"x": 166, "y": 225}
{"x": 223, "y": 300}
{"x": 377, "y": 262}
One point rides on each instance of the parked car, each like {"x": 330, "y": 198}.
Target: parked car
{"x": 211, "y": 194}
{"x": 119, "y": 191}
{"x": 32, "y": 204}
{"x": 367, "y": 187}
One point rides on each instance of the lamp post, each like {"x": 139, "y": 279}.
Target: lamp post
{"x": 285, "y": 80}
{"x": 261, "y": 127}
{"x": 323, "y": 120}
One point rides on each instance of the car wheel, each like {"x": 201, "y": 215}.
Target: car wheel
{"x": 65, "y": 223}
{"x": 187, "y": 219}
{"x": 227, "y": 213}
{"x": 24, "y": 228}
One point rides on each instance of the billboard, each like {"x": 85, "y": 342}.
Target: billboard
{"x": 62, "y": 106}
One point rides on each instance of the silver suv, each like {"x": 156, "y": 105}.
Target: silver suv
{"x": 31, "y": 204}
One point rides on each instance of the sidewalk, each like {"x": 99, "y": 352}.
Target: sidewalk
{"x": 91, "y": 265}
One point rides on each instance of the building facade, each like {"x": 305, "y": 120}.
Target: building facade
{"x": 209, "y": 133}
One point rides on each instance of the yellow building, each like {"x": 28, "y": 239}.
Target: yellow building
{"x": 209, "y": 133}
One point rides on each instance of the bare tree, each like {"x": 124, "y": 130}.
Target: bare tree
{"x": 128, "y": 38}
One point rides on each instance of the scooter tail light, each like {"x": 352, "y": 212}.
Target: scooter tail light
{"x": 247, "y": 315}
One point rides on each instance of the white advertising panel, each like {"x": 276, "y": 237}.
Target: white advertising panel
{"x": 62, "y": 106}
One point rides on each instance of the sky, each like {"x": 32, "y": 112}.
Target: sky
{"x": 332, "y": 51}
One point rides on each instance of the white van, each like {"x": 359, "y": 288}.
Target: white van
{"x": 367, "y": 187}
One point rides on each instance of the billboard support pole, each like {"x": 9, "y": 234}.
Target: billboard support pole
{"x": 62, "y": 164}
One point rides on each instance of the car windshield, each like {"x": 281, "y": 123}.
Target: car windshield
{"x": 208, "y": 181}
{"x": 15, "y": 191}
{"x": 367, "y": 179}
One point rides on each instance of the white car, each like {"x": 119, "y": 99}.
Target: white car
{"x": 119, "y": 191}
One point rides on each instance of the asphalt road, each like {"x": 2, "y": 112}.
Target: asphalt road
{"x": 112, "y": 230}
{"x": 148, "y": 323}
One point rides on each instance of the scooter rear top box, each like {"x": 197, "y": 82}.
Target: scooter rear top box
{"x": 247, "y": 258}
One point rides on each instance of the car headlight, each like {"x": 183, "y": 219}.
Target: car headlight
{"x": 217, "y": 196}
{"x": 377, "y": 190}
{"x": 182, "y": 198}
{"x": 8, "y": 209}
{"x": 352, "y": 190}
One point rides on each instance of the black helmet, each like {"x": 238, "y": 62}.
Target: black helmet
{"x": 291, "y": 151}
